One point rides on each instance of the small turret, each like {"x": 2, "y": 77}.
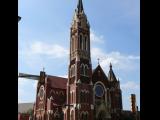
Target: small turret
{"x": 80, "y": 6}
{"x": 111, "y": 75}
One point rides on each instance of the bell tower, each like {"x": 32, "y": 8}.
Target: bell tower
{"x": 79, "y": 85}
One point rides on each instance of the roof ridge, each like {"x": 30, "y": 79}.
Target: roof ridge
{"x": 57, "y": 76}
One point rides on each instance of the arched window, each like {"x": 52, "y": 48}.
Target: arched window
{"x": 86, "y": 116}
{"x": 86, "y": 70}
{"x": 82, "y": 69}
{"x": 86, "y": 96}
{"x": 85, "y": 43}
{"x": 81, "y": 96}
{"x": 82, "y": 116}
{"x": 81, "y": 42}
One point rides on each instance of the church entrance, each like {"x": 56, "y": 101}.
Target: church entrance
{"x": 102, "y": 116}
{"x": 101, "y": 112}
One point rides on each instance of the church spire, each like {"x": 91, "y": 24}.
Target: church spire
{"x": 80, "y": 6}
{"x": 110, "y": 65}
{"x": 111, "y": 74}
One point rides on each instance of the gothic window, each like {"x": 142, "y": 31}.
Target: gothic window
{"x": 86, "y": 116}
{"x": 87, "y": 99}
{"x": 81, "y": 96}
{"x": 81, "y": 42}
{"x": 84, "y": 97}
{"x": 86, "y": 70}
{"x": 82, "y": 116}
{"x": 85, "y": 43}
{"x": 82, "y": 69}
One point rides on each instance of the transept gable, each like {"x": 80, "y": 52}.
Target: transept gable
{"x": 99, "y": 75}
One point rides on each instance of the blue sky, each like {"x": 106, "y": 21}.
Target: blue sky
{"x": 43, "y": 41}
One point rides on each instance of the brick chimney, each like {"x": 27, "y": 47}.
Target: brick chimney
{"x": 133, "y": 103}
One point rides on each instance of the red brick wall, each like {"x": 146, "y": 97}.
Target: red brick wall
{"x": 23, "y": 116}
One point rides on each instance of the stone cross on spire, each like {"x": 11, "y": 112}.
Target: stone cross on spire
{"x": 98, "y": 61}
{"x": 110, "y": 65}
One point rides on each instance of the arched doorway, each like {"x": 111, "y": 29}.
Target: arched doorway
{"x": 102, "y": 112}
{"x": 101, "y": 115}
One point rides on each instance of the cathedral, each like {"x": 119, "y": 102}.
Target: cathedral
{"x": 87, "y": 93}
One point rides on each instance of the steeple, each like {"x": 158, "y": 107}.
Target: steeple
{"x": 80, "y": 18}
{"x": 110, "y": 66}
{"x": 111, "y": 75}
{"x": 80, "y": 67}
{"x": 80, "y": 6}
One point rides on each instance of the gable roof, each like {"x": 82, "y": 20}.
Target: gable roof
{"x": 57, "y": 82}
{"x": 96, "y": 70}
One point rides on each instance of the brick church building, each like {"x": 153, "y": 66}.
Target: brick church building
{"x": 87, "y": 93}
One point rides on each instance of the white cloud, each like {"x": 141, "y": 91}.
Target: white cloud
{"x": 21, "y": 93}
{"x": 35, "y": 85}
{"x": 96, "y": 38}
{"x": 121, "y": 61}
{"x": 130, "y": 85}
{"x": 39, "y": 54}
{"x": 26, "y": 90}
{"x": 22, "y": 81}
{"x": 52, "y": 50}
